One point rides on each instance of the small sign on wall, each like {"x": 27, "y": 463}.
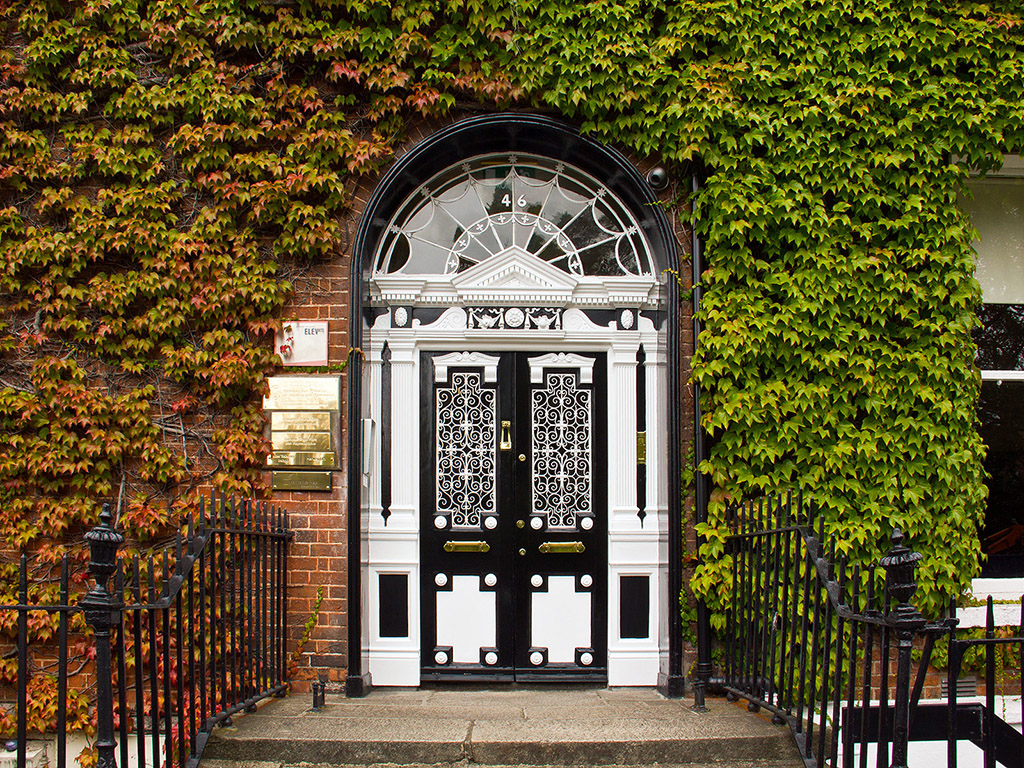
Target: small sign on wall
{"x": 302, "y": 342}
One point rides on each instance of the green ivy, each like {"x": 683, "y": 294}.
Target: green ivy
{"x": 839, "y": 300}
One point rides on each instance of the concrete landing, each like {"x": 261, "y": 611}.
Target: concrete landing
{"x": 508, "y": 727}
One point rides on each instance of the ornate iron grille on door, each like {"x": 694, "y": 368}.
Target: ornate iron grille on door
{"x": 562, "y": 452}
{"x": 465, "y": 452}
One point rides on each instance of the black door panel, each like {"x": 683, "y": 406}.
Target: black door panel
{"x": 514, "y": 533}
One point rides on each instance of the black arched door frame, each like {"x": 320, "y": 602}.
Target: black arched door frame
{"x": 528, "y": 134}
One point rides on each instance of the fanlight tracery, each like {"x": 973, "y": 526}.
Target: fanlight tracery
{"x": 478, "y": 209}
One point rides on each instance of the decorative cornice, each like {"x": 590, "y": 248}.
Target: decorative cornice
{"x": 459, "y": 359}
{"x": 585, "y": 365}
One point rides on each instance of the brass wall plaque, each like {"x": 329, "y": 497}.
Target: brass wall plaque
{"x": 301, "y": 481}
{"x": 304, "y": 421}
{"x": 303, "y": 393}
{"x": 301, "y": 441}
{"x": 301, "y": 459}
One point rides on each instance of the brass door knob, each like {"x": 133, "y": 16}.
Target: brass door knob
{"x": 522, "y": 552}
{"x": 520, "y": 523}
{"x": 522, "y": 457}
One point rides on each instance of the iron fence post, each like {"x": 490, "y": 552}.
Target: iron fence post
{"x": 102, "y": 611}
{"x": 704, "y": 665}
{"x": 900, "y": 584}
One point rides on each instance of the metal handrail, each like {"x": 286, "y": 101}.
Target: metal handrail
{"x": 219, "y": 619}
{"x": 804, "y": 641}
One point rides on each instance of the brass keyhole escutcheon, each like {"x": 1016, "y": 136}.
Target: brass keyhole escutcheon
{"x": 520, "y": 523}
{"x": 522, "y": 552}
{"x": 522, "y": 457}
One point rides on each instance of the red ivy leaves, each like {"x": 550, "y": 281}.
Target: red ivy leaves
{"x": 162, "y": 168}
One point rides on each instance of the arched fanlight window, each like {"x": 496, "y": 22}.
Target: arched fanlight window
{"x": 490, "y": 204}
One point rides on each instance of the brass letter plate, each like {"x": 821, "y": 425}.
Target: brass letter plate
{"x": 301, "y": 481}
{"x": 467, "y": 546}
{"x": 301, "y": 459}
{"x": 555, "y": 547}
{"x": 303, "y": 393}
{"x": 300, "y": 421}
{"x": 301, "y": 441}
{"x": 641, "y": 447}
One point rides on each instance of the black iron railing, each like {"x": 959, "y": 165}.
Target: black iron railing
{"x": 830, "y": 654}
{"x": 183, "y": 638}
{"x": 980, "y": 723}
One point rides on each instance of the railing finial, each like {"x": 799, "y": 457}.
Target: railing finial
{"x": 900, "y": 563}
{"x": 103, "y": 612}
{"x": 104, "y": 542}
{"x": 900, "y": 584}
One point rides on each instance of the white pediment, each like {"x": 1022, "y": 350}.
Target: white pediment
{"x": 585, "y": 365}
{"x": 517, "y": 270}
{"x": 511, "y": 278}
{"x": 471, "y": 359}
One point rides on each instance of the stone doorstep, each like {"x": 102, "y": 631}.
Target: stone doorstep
{"x": 517, "y": 727}
{"x": 760, "y": 763}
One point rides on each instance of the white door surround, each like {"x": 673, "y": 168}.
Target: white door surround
{"x": 502, "y": 291}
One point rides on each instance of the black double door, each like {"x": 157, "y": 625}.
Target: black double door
{"x": 513, "y": 540}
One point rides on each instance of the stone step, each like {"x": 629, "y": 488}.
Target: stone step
{"x": 516, "y": 727}
{"x": 760, "y": 763}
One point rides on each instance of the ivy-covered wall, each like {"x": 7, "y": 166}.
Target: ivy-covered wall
{"x": 168, "y": 168}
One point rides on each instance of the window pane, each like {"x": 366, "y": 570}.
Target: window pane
{"x": 1001, "y": 410}
{"x": 1000, "y": 338}
{"x": 997, "y": 212}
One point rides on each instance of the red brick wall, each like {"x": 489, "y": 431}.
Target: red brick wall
{"x": 318, "y": 556}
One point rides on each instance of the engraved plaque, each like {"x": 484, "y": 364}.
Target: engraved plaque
{"x": 303, "y": 421}
{"x": 301, "y": 441}
{"x": 303, "y": 393}
{"x": 301, "y": 459}
{"x": 301, "y": 481}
